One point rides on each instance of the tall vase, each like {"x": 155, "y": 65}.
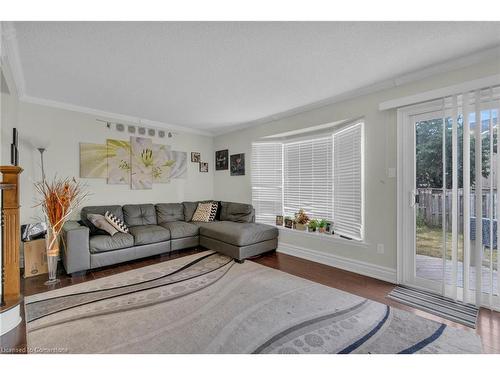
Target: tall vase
{"x": 52, "y": 245}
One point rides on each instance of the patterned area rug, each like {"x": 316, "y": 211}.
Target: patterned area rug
{"x": 206, "y": 303}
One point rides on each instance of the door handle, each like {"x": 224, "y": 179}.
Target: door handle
{"x": 414, "y": 198}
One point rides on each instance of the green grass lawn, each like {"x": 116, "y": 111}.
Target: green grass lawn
{"x": 430, "y": 243}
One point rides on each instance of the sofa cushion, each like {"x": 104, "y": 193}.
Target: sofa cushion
{"x": 146, "y": 234}
{"x": 238, "y": 234}
{"x": 181, "y": 229}
{"x": 189, "y": 209}
{"x": 237, "y": 212}
{"x": 167, "y": 212}
{"x": 101, "y": 210}
{"x": 139, "y": 214}
{"x": 101, "y": 243}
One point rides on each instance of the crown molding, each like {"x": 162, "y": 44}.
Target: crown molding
{"x": 111, "y": 115}
{"x": 446, "y": 66}
{"x": 10, "y": 57}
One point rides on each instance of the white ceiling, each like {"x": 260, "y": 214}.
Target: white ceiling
{"x": 214, "y": 76}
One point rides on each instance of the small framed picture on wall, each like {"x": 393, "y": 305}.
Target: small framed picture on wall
{"x": 221, "y": 160}
{"x": 238, "y": 165}
{"x": 195, "y": 157}
{"x": 203, "y": 166}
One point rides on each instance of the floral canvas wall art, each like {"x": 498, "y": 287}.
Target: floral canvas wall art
{"x": 162, "y": 163}
{"x": 93, "y": 160}
{"x": 179, "y": 168}
{"x": 138, "y": 163}
{"x": 118, "y": 156}
{"x": 141, "y": 163}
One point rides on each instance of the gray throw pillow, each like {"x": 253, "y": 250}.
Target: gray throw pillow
{"x": 100, "y": 222}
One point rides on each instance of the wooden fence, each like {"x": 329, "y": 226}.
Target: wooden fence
{"x": 430, "y": 207}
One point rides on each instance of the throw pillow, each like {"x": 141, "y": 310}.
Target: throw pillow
{"x": 205, "y": 212}
{"x": 116, "y": 222}
{"x": 93, "y": 230}
{"x": 100, "y": 222}
{"x": 219, "y": 208}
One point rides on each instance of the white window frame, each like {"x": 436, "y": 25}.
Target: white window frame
{"x": 337, "y": 129}
{"x": 362, "y": 172}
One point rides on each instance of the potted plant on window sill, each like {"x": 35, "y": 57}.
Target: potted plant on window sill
{"x": 322, "y": 225}
{"x": 301, "y": 220}
{"x": 313, "y": 224}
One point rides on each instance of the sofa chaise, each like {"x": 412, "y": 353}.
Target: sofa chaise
{"x": 161, "y": 228}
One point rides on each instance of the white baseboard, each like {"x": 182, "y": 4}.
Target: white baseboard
{"x": 356, "y": 266}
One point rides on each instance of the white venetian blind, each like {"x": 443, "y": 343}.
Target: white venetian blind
{"x": 348, "y": 181}
{"x": 307, "y": 176}
{"x": 267, "y": 167}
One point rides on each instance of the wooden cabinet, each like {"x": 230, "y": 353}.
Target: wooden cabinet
{"x": 11, "y": 232}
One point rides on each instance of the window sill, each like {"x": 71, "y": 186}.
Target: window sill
{"x": 324, "y": 237}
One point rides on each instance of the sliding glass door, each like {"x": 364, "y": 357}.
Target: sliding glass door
{"x": 450, "y": 177}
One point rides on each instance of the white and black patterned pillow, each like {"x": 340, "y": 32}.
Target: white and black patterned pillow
{"x": 205, "y": 211}
{"x": 116, "y": 222}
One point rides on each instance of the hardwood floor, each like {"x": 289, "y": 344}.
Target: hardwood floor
{"x": 488, "y": 324}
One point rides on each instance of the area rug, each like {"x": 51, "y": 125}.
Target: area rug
{"x": 207, "y": 303}
{"x": 447, "y": 308}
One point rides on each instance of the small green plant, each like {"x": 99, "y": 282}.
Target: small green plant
{"x": 313, "y": 224}
{"x": 322, "y": 225}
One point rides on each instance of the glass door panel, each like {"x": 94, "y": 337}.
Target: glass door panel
{"x": 430, "y": 218}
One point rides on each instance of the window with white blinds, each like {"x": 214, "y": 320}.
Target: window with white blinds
{"x": 348, "y": 181}
{"x": 307, "y": 177}
{"x": 323, "y": 176}
{"x": 267, "y": 181}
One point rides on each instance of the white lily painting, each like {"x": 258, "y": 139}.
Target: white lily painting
{"x": 179, "y": 168}
{"x": 162, "y": 163}
{"x": 141, "y": 163}
{"x": 118, "y": 161}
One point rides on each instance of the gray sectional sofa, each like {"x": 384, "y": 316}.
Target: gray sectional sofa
{"x": 161, "y": 228}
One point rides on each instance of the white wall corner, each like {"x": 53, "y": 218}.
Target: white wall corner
{"x": 10, "y": 58}
{"x": 347, "y": 264}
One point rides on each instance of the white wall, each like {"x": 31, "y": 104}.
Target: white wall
{"x": 60, "y": 132}
{"x": 8, "y": 120}
{"x": 380, "y": 154}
